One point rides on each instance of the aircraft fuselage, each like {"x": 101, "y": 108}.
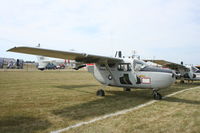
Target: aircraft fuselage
{"x": 133, "y": 73}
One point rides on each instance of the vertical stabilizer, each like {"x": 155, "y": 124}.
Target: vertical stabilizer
{"x": 42, "y": 61}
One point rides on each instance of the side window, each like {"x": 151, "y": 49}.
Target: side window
{"x": 102, "y": 67}
{"x": 120, "y": 67}
{"x": 124, "y": 67}
{"x": 129, "y": 67}
{"x": 111, "y": 65}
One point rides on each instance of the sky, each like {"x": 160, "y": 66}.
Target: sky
{"x": 155, "y": 29}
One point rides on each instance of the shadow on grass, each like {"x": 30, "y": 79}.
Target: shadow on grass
{"x": 178, "y": 100}
{"x": 76, "y": 87}
{"x": 114, "y": 101}
{"x": 197, "y": 83}
{"x": 22, "y": 124}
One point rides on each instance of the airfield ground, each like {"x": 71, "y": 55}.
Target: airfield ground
{"x": 47, "y": 101}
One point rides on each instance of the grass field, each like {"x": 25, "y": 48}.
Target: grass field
{"x": 46, "y": 101}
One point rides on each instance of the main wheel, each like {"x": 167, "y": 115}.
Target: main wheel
{"x": 127, "y": 89}
{"x": 182, "y": 81}
{"x": 100, "y": 92}
{"x": 157, "y": 96}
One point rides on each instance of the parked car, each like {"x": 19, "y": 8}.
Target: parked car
{"x": 60, "y": 66}
{"x": 50, "y": 66}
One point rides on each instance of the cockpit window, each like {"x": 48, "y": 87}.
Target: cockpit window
{"x": 124, "y": 67}
{"x": 138, "y": 65}
{"x": 194, "y": 69}
{"x": 198, "y": 71}
{"x": 111, "y": 65}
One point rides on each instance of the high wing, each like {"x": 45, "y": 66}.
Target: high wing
{"x": 78, "y": 57}
{"x": 171, "y": 65}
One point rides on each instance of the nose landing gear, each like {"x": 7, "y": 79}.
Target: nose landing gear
{"x": 156, "y": 95}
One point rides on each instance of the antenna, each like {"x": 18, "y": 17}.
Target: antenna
{"x": 133, "y": 53}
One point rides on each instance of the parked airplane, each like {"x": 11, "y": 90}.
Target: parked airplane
{"x": 112, "y": 71}
{"x": 46, "y": 63}
{"x": 190, "y": 73}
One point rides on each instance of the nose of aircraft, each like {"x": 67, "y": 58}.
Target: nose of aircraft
{"x": 170, "y": 78}
{"x": 172, "y": 72}
{"x": 169, "y": 72}
{"x": 162, "y": 78}
{"x": 156, "y": 69}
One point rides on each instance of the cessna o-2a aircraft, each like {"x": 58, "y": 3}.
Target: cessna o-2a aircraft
{"x": 114, "y": 71}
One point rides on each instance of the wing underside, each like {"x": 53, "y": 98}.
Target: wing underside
{"x": 79, "y": 57}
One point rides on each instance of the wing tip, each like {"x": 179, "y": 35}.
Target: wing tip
{"x": 11, "y": 49}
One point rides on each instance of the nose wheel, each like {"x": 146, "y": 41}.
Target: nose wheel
{"x": 156, "y": 95}
{"x": 100, "y": 92}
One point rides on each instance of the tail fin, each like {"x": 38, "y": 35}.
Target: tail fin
{"x": 42, "y": 61}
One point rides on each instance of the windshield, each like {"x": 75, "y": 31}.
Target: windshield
{"x": 194, "y": 69}
{"x": 198, "y": 71}
{"x": 138, "y": 65}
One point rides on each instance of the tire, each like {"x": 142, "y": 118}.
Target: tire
{"x": 182, "y": 81}
{"x": 100, "y": 92}
{"x": 157, "y": 96}
{"x": 127, "y": 89}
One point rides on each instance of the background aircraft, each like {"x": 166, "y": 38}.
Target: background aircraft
{"x": 185, "y": 72}
{"x": 111, "y": 71}
{"x": 47, "y": 63}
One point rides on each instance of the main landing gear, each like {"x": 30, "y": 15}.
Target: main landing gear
{"x": 182, "y": 81}
{"x": 156, "y": 95}
{"x": 127, "y": 89}
{"x": 100, "y": 92}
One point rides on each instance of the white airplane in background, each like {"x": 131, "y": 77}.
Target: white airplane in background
{"x": 59, "y": 64}
{"x": 190, "y": 73}
{"x": 114, "y": 71}
{"x": 44, "y": 61}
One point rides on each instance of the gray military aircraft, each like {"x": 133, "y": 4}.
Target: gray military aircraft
{"x": 114, "y": 71}
{"x": 185, "y": 72}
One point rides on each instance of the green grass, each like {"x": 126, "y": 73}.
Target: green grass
{"x": 45, "y": 101}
